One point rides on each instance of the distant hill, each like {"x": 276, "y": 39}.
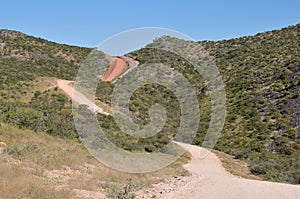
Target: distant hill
{"x": 25, "y": 57}
{"x": 14, "y": 44}
{"x": 261, "y": 74}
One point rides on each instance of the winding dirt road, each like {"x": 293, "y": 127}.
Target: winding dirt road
{"x": 215, "y": 182}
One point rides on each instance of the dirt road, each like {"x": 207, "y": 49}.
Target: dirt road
{"x": 79, "y": 97}
{"x": 115, "y": 69}
{"x": 216, "y": 183}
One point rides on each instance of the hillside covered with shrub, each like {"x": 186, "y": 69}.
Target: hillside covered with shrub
{"x": 262, "y": 77}
{"x": 28, "y": 95}
{"x": 261, "y": 74}
{"x": 40, "y": 153}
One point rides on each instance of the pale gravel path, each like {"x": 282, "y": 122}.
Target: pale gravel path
{"x": 79, "y": 97}
{"x": 216, "y": 183}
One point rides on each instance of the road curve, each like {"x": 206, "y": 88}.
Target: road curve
{"x": 216, "y": 183}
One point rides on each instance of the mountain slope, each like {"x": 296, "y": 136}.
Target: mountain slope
{"x": 40, "y": 153}
{"x": 25, "y": 57}
{"x": 261, "y": 75}
{"x": 28, "y": 68}
{"x": 262, "y": 79}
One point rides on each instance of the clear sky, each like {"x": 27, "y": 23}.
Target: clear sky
{"x": 87, "y": 23}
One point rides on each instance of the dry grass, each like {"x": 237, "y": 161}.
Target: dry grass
{"x": 235, "y": 166}
{"x": 16, "y": 182}
{"x": 36, "y": 165}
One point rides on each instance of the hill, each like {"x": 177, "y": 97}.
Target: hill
{"x": 262, "y": 79}
{"x": 40, "y": 153}
{"x": 28, "y": 97}
{"x": 266, "y": 69}
{"x": 261, "y": 74}
{"x": 25, "y": 57}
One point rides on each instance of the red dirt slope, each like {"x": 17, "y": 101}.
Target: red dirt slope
{"x": 115, "y": 69}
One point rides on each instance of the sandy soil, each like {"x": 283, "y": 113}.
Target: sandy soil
{"x": 115, "y": 69}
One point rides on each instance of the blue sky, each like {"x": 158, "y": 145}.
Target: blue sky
{"x": 87, "y": 23}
